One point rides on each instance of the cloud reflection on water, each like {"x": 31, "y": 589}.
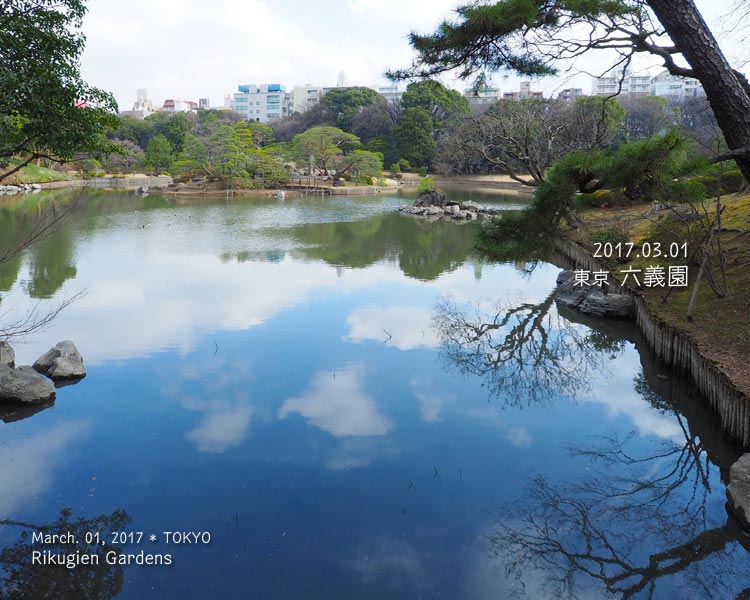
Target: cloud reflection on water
{"x": 338, "y": 404}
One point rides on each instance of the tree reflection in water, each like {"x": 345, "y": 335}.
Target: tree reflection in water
{"x": 642, "y": 522}
{"x": 525, "y": 353}
{"x": 20, "y": 579}
{"x": 638, "y": 520}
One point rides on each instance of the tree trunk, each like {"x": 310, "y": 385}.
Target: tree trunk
{"x": 726, "y": 91}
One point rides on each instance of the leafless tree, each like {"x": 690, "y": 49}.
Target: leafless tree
{"x": 525, "y": 353}
{"x": 523, "y": 139}
{"x": 636, "y": 519}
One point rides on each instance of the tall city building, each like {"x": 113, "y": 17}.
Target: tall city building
{"x": 142, "y": 108}
{"x": 261, "y": 103}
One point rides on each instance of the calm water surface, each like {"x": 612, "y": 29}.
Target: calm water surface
{"x": 354, "y": 406}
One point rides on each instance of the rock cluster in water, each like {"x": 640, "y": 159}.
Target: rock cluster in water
{"x": 592, "y": 300}
{"x": 34, "y": 384}
{"x": 10, "y": 190}
{"x": 738, "y": 490}
{"x": 436, "y": 204}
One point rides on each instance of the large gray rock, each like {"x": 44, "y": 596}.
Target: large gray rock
{"x": 435, "y": 198}
{"x": 24, "y": 385}
{"x": 591, "y": 300}
{"x": 597, "y": 304}
{"x": 567, "y": 292}
{"x": 61, "y": 362}
{"x": 472, "y": 206}
{"x": 738, "y": 490}
{"x": 7, "y": 356}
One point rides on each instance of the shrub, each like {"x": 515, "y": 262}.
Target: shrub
{"x": 426, "y": 185}
{"x": 423, "y": 171}
{"x": 684, "y": 191}
{"x": 405, "y": 165}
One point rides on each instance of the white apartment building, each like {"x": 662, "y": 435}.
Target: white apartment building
{"x": 664, "y": 84}
{"x": 482, "y": 97}
{"x": 306, "y": 96}
{"x": 261, "y": 103}
{"x": 570, "y": 94}
{"x": 391, "y": 93}
{"x": 672, "y": 86}
{"x": 609, "y": 84}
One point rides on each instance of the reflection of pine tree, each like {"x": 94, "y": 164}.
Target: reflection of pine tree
{"x": 525, "y": 353}
{"x": 20, "y": 579}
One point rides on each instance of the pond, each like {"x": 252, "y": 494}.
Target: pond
{"x": 350, "y": 404}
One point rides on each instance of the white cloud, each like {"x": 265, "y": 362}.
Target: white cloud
{"x": 190, "y": 51}
{"x": 432, "y": 405}
{"x": 355, "y": 453}
{"x": 519, "y": 437}
{"x": 338, "y": 404}
{"x": 222, "y": 430}
{"x": 410, "y": 327}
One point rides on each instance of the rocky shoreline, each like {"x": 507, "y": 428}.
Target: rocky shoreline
{"x": 25, "y": 188}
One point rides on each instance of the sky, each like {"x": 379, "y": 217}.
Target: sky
{"x": 194, "y": 49}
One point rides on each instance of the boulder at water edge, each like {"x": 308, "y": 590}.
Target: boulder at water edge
{"x": 7, "y": 356}
{"x": 24, "y": 385}
{"x": 61, "y": 362}
{"x": 591, "y": 300}
{"x": 738, "y": 490}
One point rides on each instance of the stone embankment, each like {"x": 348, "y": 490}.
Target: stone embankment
{"x": 677, "y": 349}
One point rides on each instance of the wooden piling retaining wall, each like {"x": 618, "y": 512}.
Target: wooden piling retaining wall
{"x": 677, "y": 349}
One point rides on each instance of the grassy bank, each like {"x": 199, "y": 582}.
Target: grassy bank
{"x": 720, "y": 326}
{"x": 34, "y": 174}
